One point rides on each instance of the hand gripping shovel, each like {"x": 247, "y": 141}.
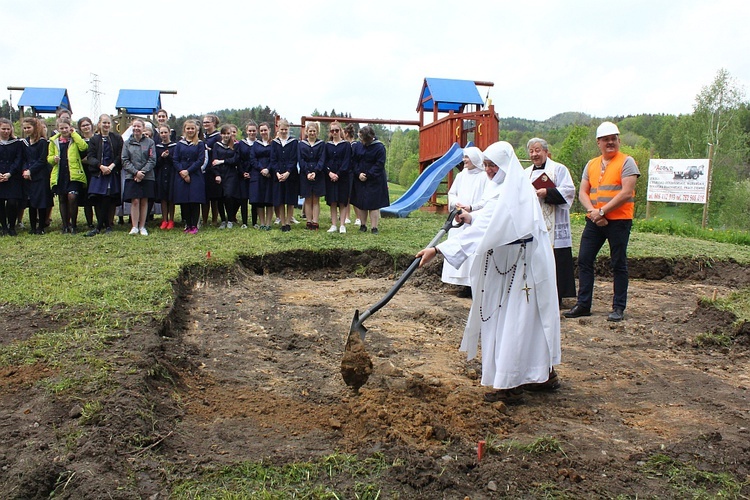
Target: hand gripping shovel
{"x": 356, "y": 366}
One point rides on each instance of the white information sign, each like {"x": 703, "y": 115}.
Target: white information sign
{"x": 678, "y": 181}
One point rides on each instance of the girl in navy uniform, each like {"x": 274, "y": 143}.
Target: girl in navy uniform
{"x": 164, "y": 171}
{"x": 213, "y": 190}
{"x": 189, "y": 187}
{"x": 350, "y": 136}
{"x": 162, "y": 117}
{"x": 312, "y": 155}
{"x": 249, "y": 174}
{"x": 261, "y": 184}
{"x": 86, "y": 129}
{"x": 338, "y": 180}
{"x": 370, "y": 189}
{"x": 223, "y": 171}
{"x": 11, "y": 177}
{"x": 285, "y": 176}
{"x": 104, "y": 163}
{"x": 36, "y": 173}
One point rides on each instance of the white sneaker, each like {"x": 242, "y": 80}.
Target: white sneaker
{"x": 144, "y": 232}
{"x": 230, "y": 225}
{"x": 134, "y": 231}
{"x": 348, "y": 221}
{"x": 277, "y": 221}
{"x": 223, "y": 225}
{"x": 294, "y": 221}
{"x": 357, "y": 223}
{"x": 332, "y": 229}
{"x": 342, "y": 229}
{"x": 243, "y": 226}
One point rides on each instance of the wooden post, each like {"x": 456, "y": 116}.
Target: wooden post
{"x": 709, "y": 176}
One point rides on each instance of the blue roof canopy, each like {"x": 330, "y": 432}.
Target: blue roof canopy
{"x": 139, "y": 102}
{"x": 448, "y": 95}
{"x": 45, "y": 100}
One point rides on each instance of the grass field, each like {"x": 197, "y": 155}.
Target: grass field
{"x": 105, "y": 286}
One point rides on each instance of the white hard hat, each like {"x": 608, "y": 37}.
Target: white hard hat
{"x": 607, "y": 128}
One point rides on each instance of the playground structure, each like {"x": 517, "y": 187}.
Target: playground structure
{"x": 465, "y": 121}
{"x": 142, "y": 103}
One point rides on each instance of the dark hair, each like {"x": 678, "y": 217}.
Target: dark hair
{"x": 8, "y": 122}
{"x": 349, "y": 131}
{"x": 86, "y": 119}
{"x": 367, "y": 134}
{"x": 227, "y": 128}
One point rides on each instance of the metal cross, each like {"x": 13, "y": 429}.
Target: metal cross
{"x": 526, "y": 288}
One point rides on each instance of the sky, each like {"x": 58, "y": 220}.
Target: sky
{"x": 370, "y": 58}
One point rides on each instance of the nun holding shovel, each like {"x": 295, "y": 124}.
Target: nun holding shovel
{"x": 514, "y": 313}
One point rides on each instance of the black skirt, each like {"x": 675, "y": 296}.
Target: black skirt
{"x": 138, "y": 190}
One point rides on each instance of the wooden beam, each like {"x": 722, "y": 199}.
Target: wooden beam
{"x": 342, "y": 119}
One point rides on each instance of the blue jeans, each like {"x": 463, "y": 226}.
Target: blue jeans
{"x": 617, "y": 233}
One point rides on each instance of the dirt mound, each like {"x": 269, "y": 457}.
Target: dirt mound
{"x": 247, "y": 367}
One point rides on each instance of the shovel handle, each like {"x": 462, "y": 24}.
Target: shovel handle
{"x": 410, "y": 270}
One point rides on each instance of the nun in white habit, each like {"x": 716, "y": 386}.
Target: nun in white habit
{"x": 467, "y": 189}
{"x": 514, "y": 313}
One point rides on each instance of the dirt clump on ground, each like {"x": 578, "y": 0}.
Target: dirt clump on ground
{"x": 248, "y": 368}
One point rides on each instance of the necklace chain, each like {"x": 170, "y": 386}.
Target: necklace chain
{"x": 511, "y": 270}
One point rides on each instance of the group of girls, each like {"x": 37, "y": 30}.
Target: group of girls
{"x": 272, "y": 174}
{"x": 216, "y": 172}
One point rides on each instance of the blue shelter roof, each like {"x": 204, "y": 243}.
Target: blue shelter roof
{"x": 448, "y": 95}
{"x": 45, "y": 100}
{"x": 139, "y": 102}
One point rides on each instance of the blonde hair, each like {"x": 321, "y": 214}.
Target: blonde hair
{"x": 197, "y": 128}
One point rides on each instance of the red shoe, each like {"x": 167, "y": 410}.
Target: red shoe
{"x": 170, "y": 225}
{"x": 163, "y": 224}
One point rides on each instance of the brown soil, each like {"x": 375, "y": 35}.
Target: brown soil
{"x": 248, "y": 367}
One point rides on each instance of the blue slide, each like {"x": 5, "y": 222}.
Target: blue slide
{"x": 426, "y": 184}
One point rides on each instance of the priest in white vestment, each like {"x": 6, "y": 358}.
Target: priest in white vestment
{"x": 467, "y": 189}
{"x": 514, "y": 312}
{"x": 555, "y": 202}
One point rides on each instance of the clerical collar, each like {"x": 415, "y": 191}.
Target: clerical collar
{"x": 540, "y": 167}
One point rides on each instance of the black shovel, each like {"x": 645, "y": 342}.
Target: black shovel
{"x": 357, "y": 365}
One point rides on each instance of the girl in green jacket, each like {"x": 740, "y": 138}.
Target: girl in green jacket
{"x": 65, "y": 153}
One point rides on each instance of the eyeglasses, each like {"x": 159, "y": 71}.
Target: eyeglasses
{"x": 335, "y": 130}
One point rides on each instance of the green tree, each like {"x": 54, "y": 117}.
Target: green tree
{"x": 409, "y": 171}
{"x": 717, "y": 120}
{"x": 6, "y": 111}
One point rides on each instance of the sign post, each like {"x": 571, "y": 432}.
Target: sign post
{"x": 709, "y": 175}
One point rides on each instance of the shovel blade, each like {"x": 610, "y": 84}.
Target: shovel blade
{"x": 357, "y": 328}
{"x": 356, "y": 365}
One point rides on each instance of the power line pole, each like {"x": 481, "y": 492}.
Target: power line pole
{"x": 96, "y": 104}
